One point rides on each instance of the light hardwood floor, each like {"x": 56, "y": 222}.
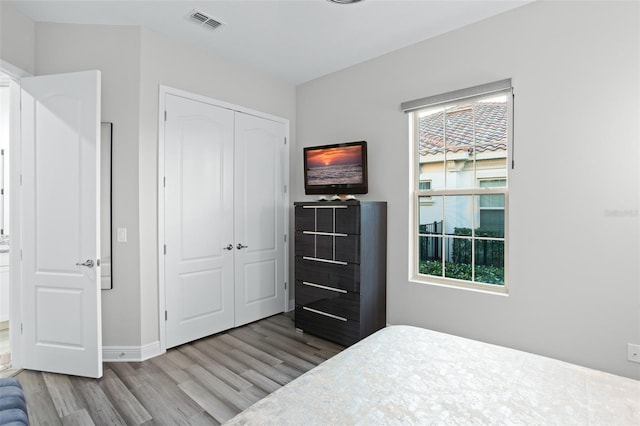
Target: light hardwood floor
{"x": 205, "y": 382}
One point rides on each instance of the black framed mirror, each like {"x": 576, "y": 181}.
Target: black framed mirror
{"x": 106, "y": 147}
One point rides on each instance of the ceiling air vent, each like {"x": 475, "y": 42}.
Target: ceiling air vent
{"x": 204, "y": 19}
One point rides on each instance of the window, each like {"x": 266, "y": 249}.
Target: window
{"x": 461, "y": 149}
{"x": 491, "y": 206}
{"x": 424, "y": 185}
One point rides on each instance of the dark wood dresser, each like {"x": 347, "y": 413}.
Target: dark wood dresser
{"x": 341, "y": 268}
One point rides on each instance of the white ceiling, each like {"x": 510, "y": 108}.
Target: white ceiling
{"x": 292, "y": 40}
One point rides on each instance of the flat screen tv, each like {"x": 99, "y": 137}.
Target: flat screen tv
{"x": 336, "y": 169}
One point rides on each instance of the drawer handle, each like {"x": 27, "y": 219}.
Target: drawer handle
{"x": 329, "y": 234}
{"x": 339, "y": 290}
{"x": 325, "y": 207}
{"x": 317, "y": 259}
{"x": 315, "y": 311}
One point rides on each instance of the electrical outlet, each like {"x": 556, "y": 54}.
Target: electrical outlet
{"x": 633, "y": 352}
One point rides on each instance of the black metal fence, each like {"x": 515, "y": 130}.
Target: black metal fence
{"x": 430, "y": 248}
{"x": 487, "y": 252}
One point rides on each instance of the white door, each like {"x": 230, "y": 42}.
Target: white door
{"x": 259, "y": 217}
{"x": 60, "y": 127}
{"x": 198, "y": 219}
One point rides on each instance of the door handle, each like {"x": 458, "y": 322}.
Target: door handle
{"x": 228, "y": 247}
{"x": 88, "y": 263}
{"x": 240, "y": 246}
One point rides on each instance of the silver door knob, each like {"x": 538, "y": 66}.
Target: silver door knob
{"x": 240, "y": 246}
{"x": 88, "y": 263}
{"x": 228, "y": 247}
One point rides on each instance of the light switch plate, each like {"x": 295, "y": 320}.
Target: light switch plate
{"x": 121, "y": 235}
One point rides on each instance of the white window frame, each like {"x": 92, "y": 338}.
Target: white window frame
{"x": 414, "y": 262}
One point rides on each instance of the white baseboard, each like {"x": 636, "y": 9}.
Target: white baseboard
{"x": 292, "y": 305}
{"x": 130, "y": 353}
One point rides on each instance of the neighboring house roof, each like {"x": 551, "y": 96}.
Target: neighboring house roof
{"x": 490, "y": 129}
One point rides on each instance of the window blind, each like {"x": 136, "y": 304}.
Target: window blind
{"x": 482, "y": 89}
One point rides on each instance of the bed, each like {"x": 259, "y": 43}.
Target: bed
{"x": 409, "y": 375}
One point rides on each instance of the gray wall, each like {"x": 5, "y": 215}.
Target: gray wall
{"x": 17, "y": 38}
{"x": 574, "y": 228}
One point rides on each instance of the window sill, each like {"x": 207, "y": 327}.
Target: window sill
{"x": 495, "y": 290}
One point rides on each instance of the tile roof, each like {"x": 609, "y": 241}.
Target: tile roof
{"x": 490, "y": 129}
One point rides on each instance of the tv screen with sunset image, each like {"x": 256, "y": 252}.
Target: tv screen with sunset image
{"x": 336, "y": 169}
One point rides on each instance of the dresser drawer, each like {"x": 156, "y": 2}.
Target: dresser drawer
{"x": 345, "y": 248}
{"x": 319, "y": 219}
{"x": 346, "y": 277}
{"x": 348, "y": 220}
{"x": 305, "y": 219}
{"x": 342, "y": 332}
{"x": 305, "y": 244}
{"x": 327, "y": 299}
{"x": 324, "y": 219}
{"x": 340, "y": 218}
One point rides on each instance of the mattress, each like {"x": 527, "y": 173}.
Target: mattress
{"x": 409, "y": 375}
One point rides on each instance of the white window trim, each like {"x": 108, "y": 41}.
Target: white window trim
{"x": 415, "y": 194}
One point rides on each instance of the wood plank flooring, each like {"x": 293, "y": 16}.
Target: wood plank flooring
{"x": 205, "y": 382}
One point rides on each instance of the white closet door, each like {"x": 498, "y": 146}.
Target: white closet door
{"x": 198, "y": 219}
{"x": 259, "y": 217}
{"x": 60, "y": 119}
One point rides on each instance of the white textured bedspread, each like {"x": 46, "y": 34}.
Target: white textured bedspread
{"x": 409, "y": 375}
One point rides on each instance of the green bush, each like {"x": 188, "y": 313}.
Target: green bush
{"x": 484, "y": 273}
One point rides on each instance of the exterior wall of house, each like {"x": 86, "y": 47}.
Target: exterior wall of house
{"x": 460, "y": 174}
{"x": 574, "y": 193}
